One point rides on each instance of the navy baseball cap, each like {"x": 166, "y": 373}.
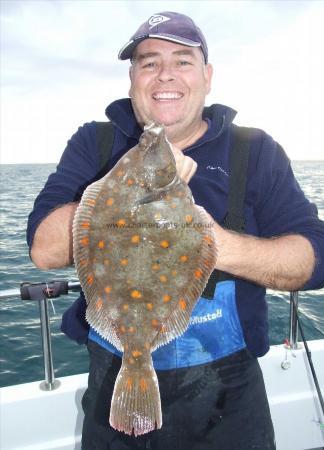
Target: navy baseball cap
{"x": 170, "y": 26}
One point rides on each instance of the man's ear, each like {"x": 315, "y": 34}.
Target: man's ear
{"x": 130, "y": 74}
{"x": 208, "y": 76}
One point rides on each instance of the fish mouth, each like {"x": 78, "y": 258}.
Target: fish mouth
{"x": 167, "y": 95}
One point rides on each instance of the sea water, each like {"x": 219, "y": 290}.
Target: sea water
{"x": 20, "y": 340}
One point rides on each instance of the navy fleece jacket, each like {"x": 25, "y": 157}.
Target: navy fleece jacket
{"x": 274, "y": 203}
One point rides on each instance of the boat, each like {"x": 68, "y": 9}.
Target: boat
{"x": 47, "y": 415}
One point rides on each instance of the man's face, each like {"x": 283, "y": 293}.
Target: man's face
{"x": 169, "y": 83}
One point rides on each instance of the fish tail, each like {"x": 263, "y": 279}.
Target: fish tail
{"x": 136, "y": 404}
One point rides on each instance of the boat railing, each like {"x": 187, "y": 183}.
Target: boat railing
{"x": 43, "y": 292}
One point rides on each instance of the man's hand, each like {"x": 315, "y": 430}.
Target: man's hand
{"x": 186, "y": 166}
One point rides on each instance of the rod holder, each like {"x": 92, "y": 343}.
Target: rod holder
{"x": 42, "y": 292}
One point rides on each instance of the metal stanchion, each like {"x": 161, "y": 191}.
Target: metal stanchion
{"x": 50, "y": 383}
{"x": 293, "y": 324}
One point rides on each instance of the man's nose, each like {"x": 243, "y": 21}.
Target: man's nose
{"x": 166, "y": 73}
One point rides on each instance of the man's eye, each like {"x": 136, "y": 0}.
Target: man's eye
{"x": 184, "y": 63}
{"x": 149, "y": 65}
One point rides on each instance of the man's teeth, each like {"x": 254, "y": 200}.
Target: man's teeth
{"x": 167, "y": 96}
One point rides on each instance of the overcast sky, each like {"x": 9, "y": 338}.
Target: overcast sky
{"x": 59, "y": 67}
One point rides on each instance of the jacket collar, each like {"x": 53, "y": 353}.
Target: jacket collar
{"x": 121, "y": 114}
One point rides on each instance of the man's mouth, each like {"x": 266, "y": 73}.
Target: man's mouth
{"x": 167, "y": 96}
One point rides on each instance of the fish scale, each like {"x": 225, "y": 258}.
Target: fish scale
{"x": 143, "y": 252}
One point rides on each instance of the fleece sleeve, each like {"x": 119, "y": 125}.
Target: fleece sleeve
{"x": 282, "y": 207}
{"x": 77, "y": 168}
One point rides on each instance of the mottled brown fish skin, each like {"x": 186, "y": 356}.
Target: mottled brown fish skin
{"x": 143, "y": 252}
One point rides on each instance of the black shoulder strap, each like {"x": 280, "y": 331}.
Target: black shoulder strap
{"x": 238, "y": 163}
{"x": 234, "y": 219}
{"x": 105, "y": 140}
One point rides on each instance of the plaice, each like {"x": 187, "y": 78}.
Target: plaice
{"x": 143, "y": 252}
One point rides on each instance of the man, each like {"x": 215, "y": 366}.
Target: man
{"x": 212, "y": 390}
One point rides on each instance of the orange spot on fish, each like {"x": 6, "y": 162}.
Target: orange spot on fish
{"x": 168, "y": 197}
{"x": 131, "y": 360}
{"x": 122, "y": 329}
{"x": 147, "y": 346}
{"x": 129, "y": 383}
{"x": 157, "y": 216}
{"x": 106, "y": 262}
{"x": 166, "y": 298}
{"x": 90, "y": 279}
{"x": 130, "y": 181}
{"x": 110, "y": 201}
{"x": 84, "y": 241}
{"x": 126, "y": 346}
{"x": 135, "y": 239}
{"x": 108, "y": 289}
{"x": 136, "y": 353}
{"x": 164, "y": 329}
{"x": 149, "y": 306}
{"x": 155, "y": 323}
{"x": 164, "y": 244}
{"x": 183, "y": 258}
{"x": 83, "y": 262}
{"x": 183, "y": 304}
{"x": 131, "y": 329}
{"x": 91, "y": 202}
{"x": 120, "y": 173}
{"x": 163, "y": 279}
{"x": 155, "y": 266}
{"x": 124, "y": 262}
{"x": 136, "y": 294}
{"x": 174, "y": 272}
{"x": 101, "y": 244}
{"x": 99, "y": 303}
{"x": 198, "y": 273}
{"x": 208, "y": 239}
{"x": 143, "y": 385}
{"x": 85, "y": 225}
{"x": 173, "y": 205}
{"x": 125, "y": 307}
{"x": 188, "y": 218}
{"x": 121, "y": 222}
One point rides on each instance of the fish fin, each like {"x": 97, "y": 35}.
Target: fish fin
{"x": 136, "y": 404}
{"x": 98, "y": 317}
{"x": 177, "y": 322}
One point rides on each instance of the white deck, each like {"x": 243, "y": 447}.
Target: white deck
{"x": 32, "y": 419}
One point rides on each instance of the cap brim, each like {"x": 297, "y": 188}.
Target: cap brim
{"x": 128, "y": 49}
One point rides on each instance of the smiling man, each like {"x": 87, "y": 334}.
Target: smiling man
{"x": 212, "y": 390}
{"x": 169, "y": 84}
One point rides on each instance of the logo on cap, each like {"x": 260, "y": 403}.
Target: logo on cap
{"x": 156, "y": 19}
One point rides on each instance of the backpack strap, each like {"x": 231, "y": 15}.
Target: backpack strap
{"x": 234, "y": 219}
{"x": 105, "y": 140}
